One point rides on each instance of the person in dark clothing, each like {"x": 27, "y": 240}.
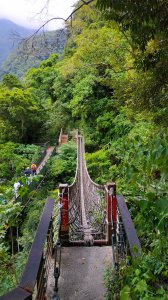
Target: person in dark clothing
{"x": 28, "y": 173}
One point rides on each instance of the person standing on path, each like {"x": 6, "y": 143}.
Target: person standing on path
{"x": 16, "y": 187}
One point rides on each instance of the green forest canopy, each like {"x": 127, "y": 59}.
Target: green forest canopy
{"x": 111, "y": 84}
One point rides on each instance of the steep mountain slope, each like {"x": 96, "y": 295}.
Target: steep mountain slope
{"x": 30, "y": 53}
{"x": 8, "y": 42}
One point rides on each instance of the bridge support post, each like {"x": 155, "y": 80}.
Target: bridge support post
{"x": 111, "y": 211}
{"x": 63, "y": 199}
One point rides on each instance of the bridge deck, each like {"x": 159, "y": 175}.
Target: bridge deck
{"x": 82, "y": 271}
{"x": 47, "y": 156}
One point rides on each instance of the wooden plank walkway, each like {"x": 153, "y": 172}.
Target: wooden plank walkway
{"x": 49, "y": 152}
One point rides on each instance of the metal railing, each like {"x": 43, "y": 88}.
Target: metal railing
{"x": 57, "y": 258}
{"x": 125, "y": 243}
{"x": 33, "y": 283}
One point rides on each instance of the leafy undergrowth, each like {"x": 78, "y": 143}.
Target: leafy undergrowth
{"x": 28, "y": 220}
{"x": 27, "y": 223}
{"x": 139, "y": 161}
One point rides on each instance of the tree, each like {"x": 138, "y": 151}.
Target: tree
{"x": 146, "y": 22}
{"x": 145, "y": 19}
{"x": 10, "y": 81}
{"x": 20, "y": 112}
{"x": 41, "y": 79}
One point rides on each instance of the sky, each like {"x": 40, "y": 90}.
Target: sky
{"x": 33, "y": 13}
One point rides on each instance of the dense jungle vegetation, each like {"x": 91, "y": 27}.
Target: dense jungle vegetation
{"x": 111, "y": 84}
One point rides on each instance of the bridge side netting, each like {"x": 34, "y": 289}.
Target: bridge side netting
{"x": 87, "y": 204}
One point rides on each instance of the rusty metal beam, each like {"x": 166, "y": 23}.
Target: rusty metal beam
{"x": 129, "y": 227}
{"x": 82, "y": 243}
{"x": 30, "y": 273}
{"x": 17, "y": 294}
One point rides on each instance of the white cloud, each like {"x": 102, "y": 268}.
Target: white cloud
{"x": 33, "y": 13}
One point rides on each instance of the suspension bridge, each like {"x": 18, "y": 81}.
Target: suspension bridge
{"x": 95, "y": 230}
